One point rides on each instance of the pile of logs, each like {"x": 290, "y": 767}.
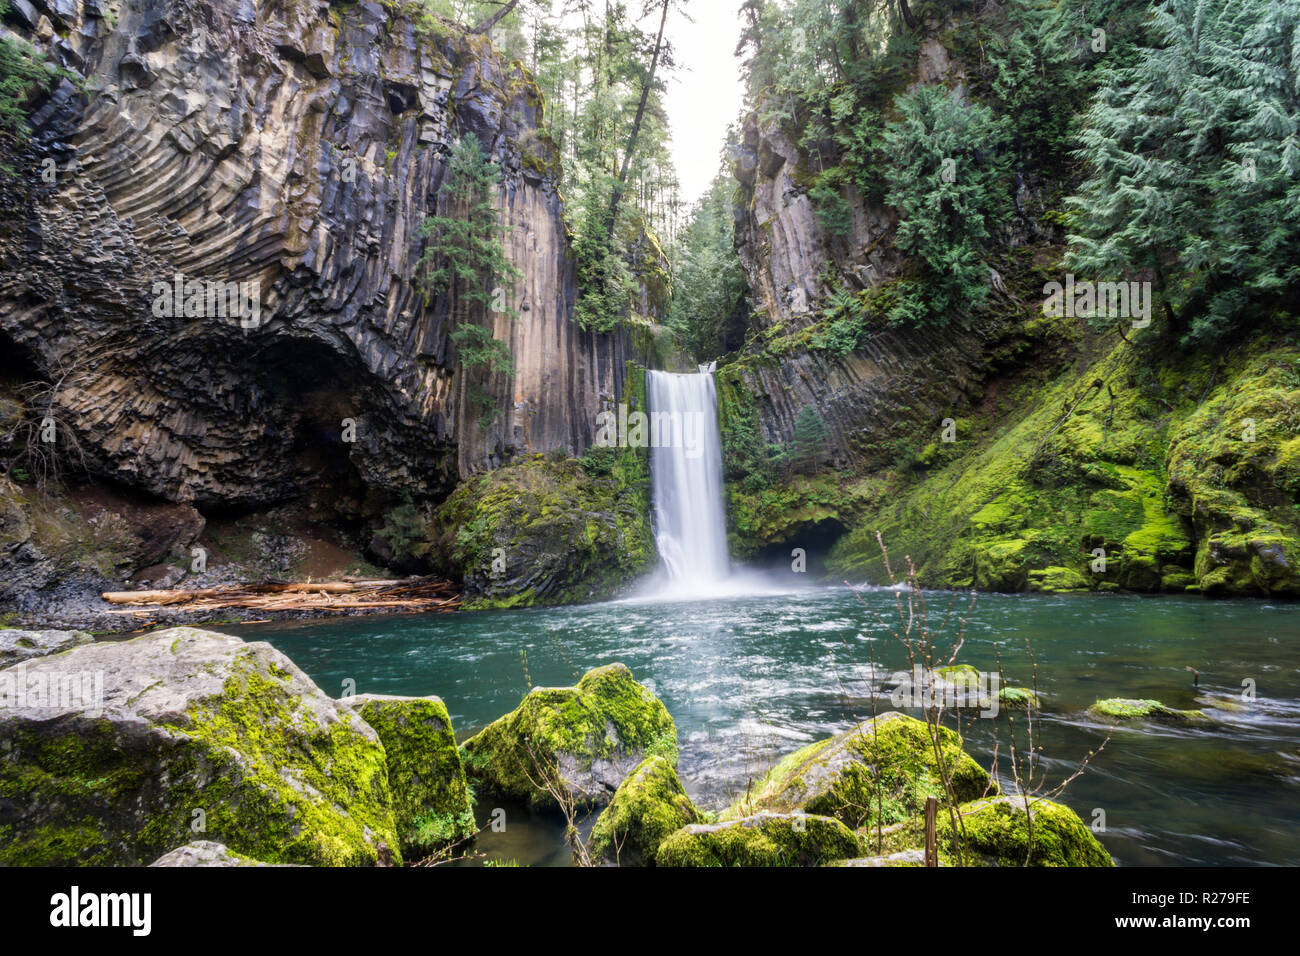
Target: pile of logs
{"x": 413, "y": 595}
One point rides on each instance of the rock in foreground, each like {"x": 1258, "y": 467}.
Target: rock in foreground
{"x": 765, "y": 839}
{"x": 881, "y": 769}
{"x": 431, "y": 803}
{"x": 578, "y": 743}
{"x": 206, "y": 853}
{"x": 650, "y": 805}
{"x": 18, "y": 646}
{"x": 998, "y": 833}
{"x": 118, "y": 752}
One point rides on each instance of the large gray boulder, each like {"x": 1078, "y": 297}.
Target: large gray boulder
{"x": 115, "y": 753}
{"x": 18, "y": 646}
{"x": 206, "y": 853}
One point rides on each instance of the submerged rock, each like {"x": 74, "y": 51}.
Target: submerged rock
{"x": 1121, "y": 709}
{"x": 431, "y": 801}
{"x": 577, "y": 743}
{"x": 117, "y": 752}
{"x": 764, "y": 839}
{"x": 17, "y": 646}
{"x": 647, "y": 808}
{"x": 998, "y": 831}
{"x": 883, "y": 769}
{"x": 207, "y": 853}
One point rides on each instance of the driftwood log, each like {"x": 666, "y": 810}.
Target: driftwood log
{"x": 412, "y": 594}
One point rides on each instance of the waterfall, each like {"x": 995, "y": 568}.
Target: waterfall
{"x": 686, "y": 467}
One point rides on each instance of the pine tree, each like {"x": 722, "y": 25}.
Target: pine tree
{"x": 464, "y": 259}
{"x": 948, "y": 180}
{"x": 1194, "y": 167}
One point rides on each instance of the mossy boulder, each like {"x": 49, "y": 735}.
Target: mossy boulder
{"x": 431, "y": 800}
{"x": 650, "y": 805}
{"x": 1018, "y": 698}
{"x": 1124, "y": 709}
{"x": 151, "y": 742}
{"x": 999, "y": 831}
{"x": 764, "y": 839}
{"x": 577, "y": 742}
{"x": 882, "y": 770}
{"x": 546, "y": 532}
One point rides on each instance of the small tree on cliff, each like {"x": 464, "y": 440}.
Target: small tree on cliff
{"x": 466, "y": 260}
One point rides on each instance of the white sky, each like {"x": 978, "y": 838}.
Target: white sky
{"x": 705, "y": 92}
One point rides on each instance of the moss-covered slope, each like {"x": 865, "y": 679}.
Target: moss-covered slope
{"x": 1142, "y": 470}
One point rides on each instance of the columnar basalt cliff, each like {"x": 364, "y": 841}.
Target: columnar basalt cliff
{"x": 298, "y": 146}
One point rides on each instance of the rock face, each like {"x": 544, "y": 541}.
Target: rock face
{"x": 897, "y": 381}
{"x": 115, "y": 753}
{"x": 431, "y": 802}
{"x": 882, "y": 770}
{"x": 649, "y": 806}
{"x": 297, "y": 147}
{"x": 17, "y": 646}
{"x": 575, "y": 743}
{"x": 765, "y": 839}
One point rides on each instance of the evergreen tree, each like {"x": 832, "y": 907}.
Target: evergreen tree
{"x": 1194, "y": 167}
{"x": 464, "y": 259}
{"x": 949, "y": 182}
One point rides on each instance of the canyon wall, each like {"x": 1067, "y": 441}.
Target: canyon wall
{"x": 298, "y": 146}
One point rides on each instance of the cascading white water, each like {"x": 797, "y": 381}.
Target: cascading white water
{"x": 686, "y": 467}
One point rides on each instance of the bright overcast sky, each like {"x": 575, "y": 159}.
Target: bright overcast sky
{"x": 705, "y": 92}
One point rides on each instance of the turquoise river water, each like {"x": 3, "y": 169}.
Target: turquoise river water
{"x": 751, "y": 678}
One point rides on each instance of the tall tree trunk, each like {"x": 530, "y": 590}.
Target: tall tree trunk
{"x": 906, "y": 11}
{"x": 617, "y": 195}
{"x": 496, "y": 18}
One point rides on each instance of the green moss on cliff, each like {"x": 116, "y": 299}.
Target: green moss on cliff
{"x": 1120, "y": 476}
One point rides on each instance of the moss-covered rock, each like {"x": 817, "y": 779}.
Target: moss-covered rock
{"x": 998, "y": 831}
{"x": 431, "y": 800}
{"x": 183, "y": 733}
{"x": 764, "y": 839}
{"x": 1122, "y": 709}
{"x": 650, "y": 805}
{"x": 1018, "y": 698}
{"x": 545, "y": 532}
{"x": 882, "y": 770}
{"x": 578, "y": 741}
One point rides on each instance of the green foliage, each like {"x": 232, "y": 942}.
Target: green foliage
{"x": 808, "y": 447}
{"x": 1193, "y": 156}
{"x": 948, "y": 182}
{"x": 1039, "y": 72}
{"x": 465, "y": 259}
{"x": 23, "y": 71}
{"x": 406, "y": 531}
{"x": 710, "y": 291}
